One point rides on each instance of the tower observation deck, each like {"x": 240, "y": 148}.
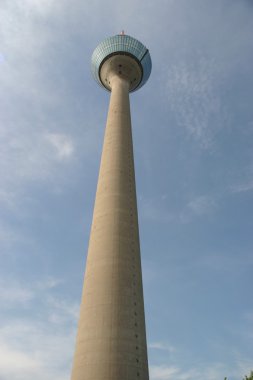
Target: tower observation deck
{"x": 111, "y": 339}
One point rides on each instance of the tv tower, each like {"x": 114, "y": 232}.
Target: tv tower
{"x": 111, "y": 339}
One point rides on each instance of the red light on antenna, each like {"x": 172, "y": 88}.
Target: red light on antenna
{"x": 122, "y": 33}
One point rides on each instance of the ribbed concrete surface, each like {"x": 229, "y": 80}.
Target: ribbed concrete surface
{"x": 111, "y": 340}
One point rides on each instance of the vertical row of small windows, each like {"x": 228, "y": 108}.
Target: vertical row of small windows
{"x": 132, "y": 213}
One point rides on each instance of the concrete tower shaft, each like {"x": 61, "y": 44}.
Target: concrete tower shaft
{"x": 111, "y": 339}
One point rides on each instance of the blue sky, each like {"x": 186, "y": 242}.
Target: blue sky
{"x": 193, "y": 130}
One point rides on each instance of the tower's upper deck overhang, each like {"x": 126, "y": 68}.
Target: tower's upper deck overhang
{"x": 122, "y": 45}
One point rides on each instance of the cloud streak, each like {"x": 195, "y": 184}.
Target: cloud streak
{"x": 193, "y": 97}
{"x": 42, "y": 346}
{"x": 63, "y": 145}
{"x": 161, "y": 346}
{"x": 209, "y": 372}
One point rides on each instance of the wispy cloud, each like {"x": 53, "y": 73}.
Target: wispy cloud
{"x": 153, "y": 209}
{"x": 62, "y": 311}
{"x": 163, "y": 372}
{"x": 226, "y": 263}
{"x": 41, "y": 346}
{"x": 14, "y": 294}
{"x": 245, "y": 181}
{"x": 9, "y": 236}
{"x": 198, "y": 206}
{"x": 202, "y": 205}
{"x": 242, "y": 187}
{"x": 23, "y": 358}
{"x": 162, "y": 346}
{"x": 37, "y": 6}
{"x": 63, "y": 144}
{"x": 29, "y": 155}
{"x": 156, "y": 210}
{"x": 209, "y": 372}
{"x": 29, "y": 97}
{"x": 192, "y": 95}
{"x": 14, "y": 361}
{"x": 48, "y": 283}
